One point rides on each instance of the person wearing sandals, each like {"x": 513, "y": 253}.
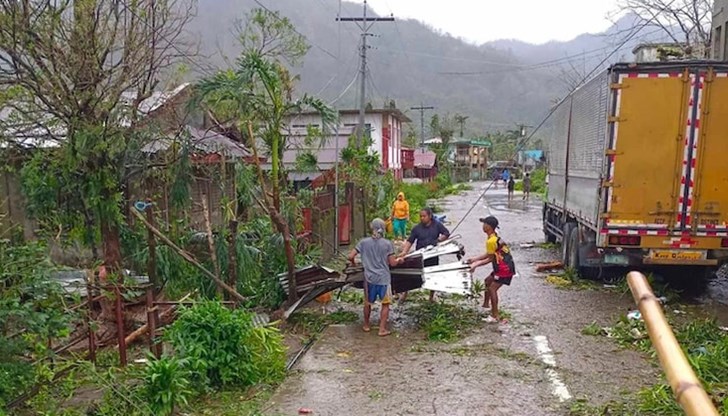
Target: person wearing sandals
{"x": 377, "y": 256}
{"x": 499, "y": 255}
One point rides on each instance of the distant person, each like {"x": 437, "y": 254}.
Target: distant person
{"x": 499, "y": 255}
{"x": 400, "y": 216}
{"x": 511, "y": 188}
{"x": 496, "y": 178}
{"x": 377, "y": 256}
{"x": 505, "y": 176}
{"x": 527, "y": 186}
{"x": 425, "y": 234}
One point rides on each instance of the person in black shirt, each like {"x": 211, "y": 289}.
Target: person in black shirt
{"x": 428, "y": 232}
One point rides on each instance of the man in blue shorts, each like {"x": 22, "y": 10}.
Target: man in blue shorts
{"x": 377, "y": 256}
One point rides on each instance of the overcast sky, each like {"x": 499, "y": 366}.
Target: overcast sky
{"x": 478, "y": 21}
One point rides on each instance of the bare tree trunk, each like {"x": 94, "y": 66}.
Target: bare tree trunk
{"x": 233, "y": 253}
{"x": 211, "y": 241}
{"x": 280, "y": 223}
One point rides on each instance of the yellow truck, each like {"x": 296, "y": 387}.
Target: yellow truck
{"x": 638, "y": 168}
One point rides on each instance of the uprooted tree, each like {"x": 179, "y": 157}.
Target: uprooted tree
{"x": 254, "y": 99}
{"x": 73, "y": 74}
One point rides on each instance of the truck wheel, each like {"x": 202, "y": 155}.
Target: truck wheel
{"x": 549, "y": 238}
{"x": 565, "y": 243}
{"x": 572, "y": 259}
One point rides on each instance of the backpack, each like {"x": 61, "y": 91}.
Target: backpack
{"x": 503, "y": 266}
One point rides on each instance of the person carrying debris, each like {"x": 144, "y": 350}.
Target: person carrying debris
{"x": 428, "y": 232}
{"x": 499, "y": 255}
{"x": 400, "y": 216}
{"x": 377, "y": 255}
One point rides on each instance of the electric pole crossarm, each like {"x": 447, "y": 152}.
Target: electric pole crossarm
{"x": 368, "y": 19}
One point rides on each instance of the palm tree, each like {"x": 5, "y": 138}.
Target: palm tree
{"x": 255, "y": 99}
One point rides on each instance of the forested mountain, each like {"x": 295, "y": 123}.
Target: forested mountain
{"x": 497, "y": 84}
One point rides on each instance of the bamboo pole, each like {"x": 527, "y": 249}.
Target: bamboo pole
{"x": 685, "y": 385}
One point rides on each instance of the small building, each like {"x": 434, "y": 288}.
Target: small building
{"x": 531, "y": 159}
{"x": 720, "y": 30}
{"x": 425, "y": 165}
{"x": 408, "y": 161}
{"x": 384, "y": 129}
{"x": 470, "y": 158}
{"x": 659, "y": 52}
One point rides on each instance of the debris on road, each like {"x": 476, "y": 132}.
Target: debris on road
{"x": 634, "y": 315}
{"x": 305, "y": 411}
{"x": 557, "y": 281}
{"x": 545, "y": 267}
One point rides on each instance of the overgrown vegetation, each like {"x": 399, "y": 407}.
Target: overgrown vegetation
{"x": 703, "y": 341}
{"x": 32, "y": 315}
{"x": 223, "y": 349}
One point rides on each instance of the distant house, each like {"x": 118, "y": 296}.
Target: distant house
{"x": 164, "y": 112}
{"x": 425, "y": 165}
{"x": 383, "y": 126}
{"x": 531, "y": 159}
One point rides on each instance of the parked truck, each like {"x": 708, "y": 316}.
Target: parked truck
{"x": 638, "y": 168}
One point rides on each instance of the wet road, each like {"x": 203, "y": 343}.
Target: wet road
{"x": 535, "y": 365}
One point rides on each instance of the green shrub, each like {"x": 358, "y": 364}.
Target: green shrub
{"x": 166, "y": 384}
{"x": 32, "y": 312}
{"x": 224, "y": 349}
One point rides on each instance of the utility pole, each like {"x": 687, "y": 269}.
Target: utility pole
{"x": 364, "y": 24}
{"x": 422, "y": 109}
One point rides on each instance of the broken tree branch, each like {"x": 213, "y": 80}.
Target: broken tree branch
{"x": 187, "y": 256}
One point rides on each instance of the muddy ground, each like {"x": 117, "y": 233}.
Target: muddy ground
{"x": 537, "y": 364}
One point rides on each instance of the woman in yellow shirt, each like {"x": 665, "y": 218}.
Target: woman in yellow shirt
{"x": 400, "y": 216}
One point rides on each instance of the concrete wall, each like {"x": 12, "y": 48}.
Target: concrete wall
{"x": 720, "y": 30}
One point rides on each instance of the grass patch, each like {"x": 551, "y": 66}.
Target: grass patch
{"x": 444, "y": 322}
{"x": 593, "y": 329}
{"x": 705, "y": 345}
{"x": 581, "y": 407}
{"x": 310, "y": 322}
{"x": 239, "y": 402}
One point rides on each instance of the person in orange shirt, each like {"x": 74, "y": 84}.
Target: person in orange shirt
{"x": 400, "y": 216}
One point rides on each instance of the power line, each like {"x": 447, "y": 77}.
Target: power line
{"x": 556, "y": 107}
{"x": 280, "y": 19}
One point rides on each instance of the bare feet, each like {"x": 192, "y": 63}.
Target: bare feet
{"x": 366, "y": 328}
{"x": 384, "y": 333}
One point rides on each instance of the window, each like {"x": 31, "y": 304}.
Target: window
{"x": 724, "y": 52}
{"x": 718, "y": 48}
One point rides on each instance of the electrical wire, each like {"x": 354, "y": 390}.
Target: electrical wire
{"x": 559, "y": 104}
{"x": 324, "y": 50}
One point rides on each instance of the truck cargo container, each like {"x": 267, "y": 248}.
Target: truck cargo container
{"x": 638, "y": 168}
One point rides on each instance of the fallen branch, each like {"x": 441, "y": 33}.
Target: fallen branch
{"x": 145, "y": 328}
{"x": 187, "y": 256}
{"x": 549, "y": 266}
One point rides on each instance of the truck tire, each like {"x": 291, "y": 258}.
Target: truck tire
{"x": 572, "y": 259}
{"x": 565, "y": 242}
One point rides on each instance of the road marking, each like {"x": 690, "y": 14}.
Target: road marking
{"x": 558, "y": 388}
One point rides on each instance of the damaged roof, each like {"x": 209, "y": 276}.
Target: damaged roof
{"x": 203, "y": 141}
